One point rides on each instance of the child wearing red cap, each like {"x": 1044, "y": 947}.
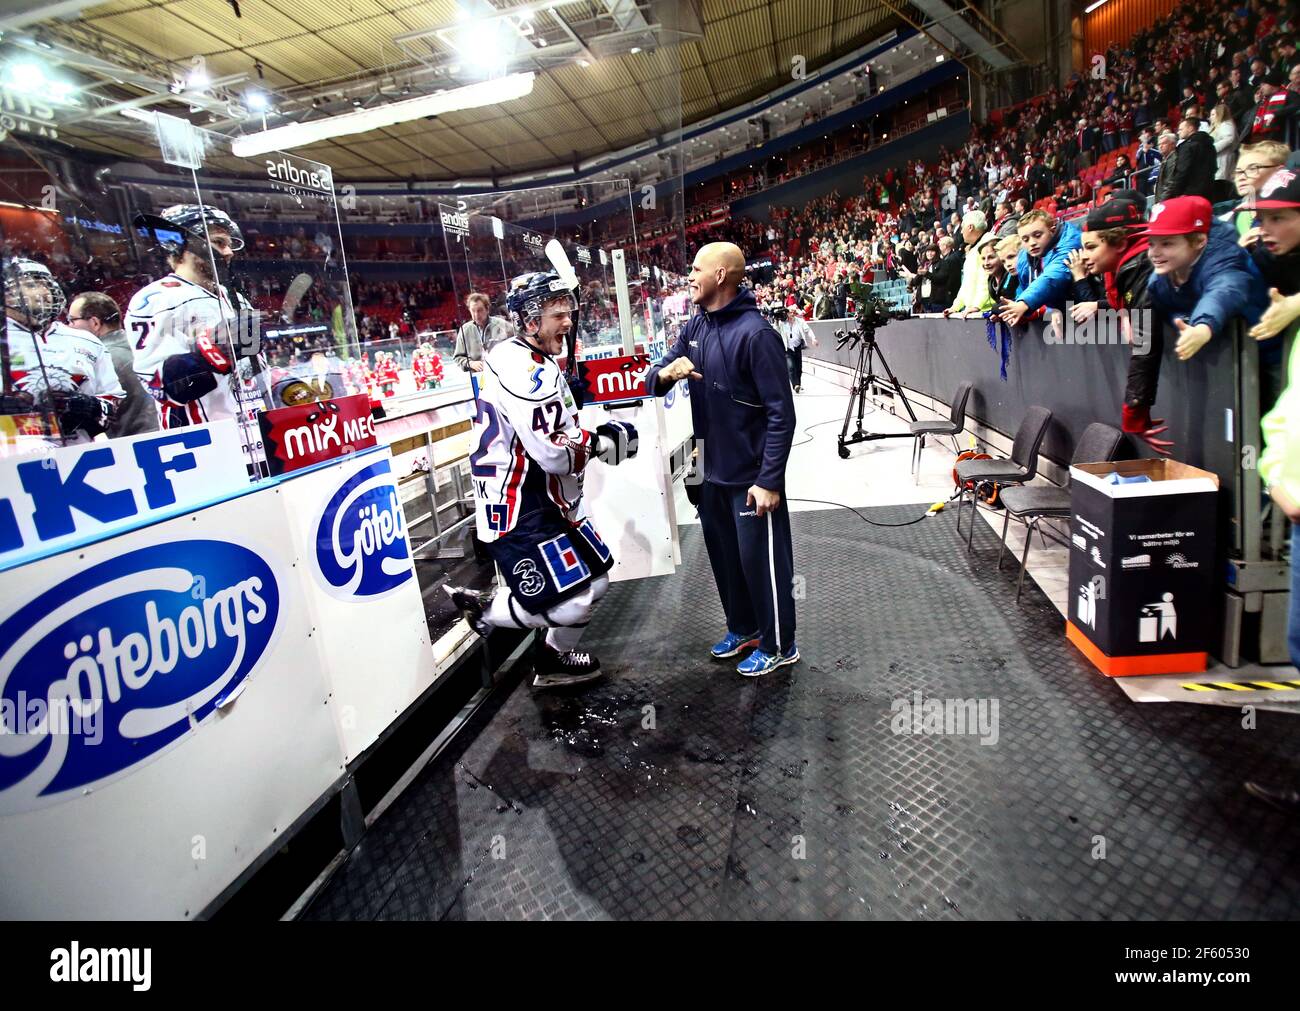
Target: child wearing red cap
{"x": 1114, "y": 250}
{"x": 1203, "y": 278}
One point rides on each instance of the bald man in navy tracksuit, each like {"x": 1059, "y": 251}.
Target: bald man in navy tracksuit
{"x": 743, "y": 412}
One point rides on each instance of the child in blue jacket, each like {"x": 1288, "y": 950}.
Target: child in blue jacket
{"x": 1202, "y": 277}
{"x": 1045, "y": 279}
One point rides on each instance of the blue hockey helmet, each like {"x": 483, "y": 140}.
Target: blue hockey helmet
{"x": 530, "y": 293}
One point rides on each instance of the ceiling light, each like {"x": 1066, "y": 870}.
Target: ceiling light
{"x": 1093, "y": 7}
{"x": 25, "y": 77}
{"x": 473, "y": 96}
{"x": 635, "y": 49}
{"x": 939, "y": 58}
{"x": 584, "y": 63}
{"x": 257, "y": 101}
{"x": 198, "y": 80}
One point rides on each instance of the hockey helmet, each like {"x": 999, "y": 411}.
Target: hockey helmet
{"x": 186, "y": 226}
{"x": 21, "y": 275}
{"x": 530, "y": 293}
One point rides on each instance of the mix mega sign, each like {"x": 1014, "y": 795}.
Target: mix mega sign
{"x": 53, "y": 496}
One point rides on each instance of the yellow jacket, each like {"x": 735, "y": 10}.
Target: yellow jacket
{"x": 1279, "y": 464}
{"x": 974, "y": 290}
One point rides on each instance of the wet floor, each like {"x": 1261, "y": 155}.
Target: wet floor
{"x": 939, "y": 753}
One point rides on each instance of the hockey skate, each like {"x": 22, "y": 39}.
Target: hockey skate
{"x": 553, "y": 669}
{"x": 470, "y": 604}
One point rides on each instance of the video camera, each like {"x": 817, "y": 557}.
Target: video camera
{"x": 872, "y": 312}
{"x": 776, "y": 311}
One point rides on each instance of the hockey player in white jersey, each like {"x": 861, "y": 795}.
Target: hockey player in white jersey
{"x": 50, "y": 366}
{"x": 527, "y": 469}
{"x": 196, "y": 340}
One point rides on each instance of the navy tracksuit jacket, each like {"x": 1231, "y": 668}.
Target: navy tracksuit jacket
{"x": 743, "y": 412}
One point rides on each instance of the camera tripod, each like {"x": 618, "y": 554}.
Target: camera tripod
{"x": 865, "y": 380}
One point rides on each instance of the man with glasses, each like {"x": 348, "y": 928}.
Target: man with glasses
{"x": 97, "y": 314}
{"x": 1255, "y": 163}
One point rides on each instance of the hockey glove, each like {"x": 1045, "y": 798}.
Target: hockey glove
{"x": 79, "y": 412}
{"x": 187, "y": 377}
{"x": 616, "y": 441}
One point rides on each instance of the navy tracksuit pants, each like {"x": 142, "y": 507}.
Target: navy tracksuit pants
{"x": 753, "y": 564}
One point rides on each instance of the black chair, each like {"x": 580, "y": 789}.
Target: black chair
{"x": 1019, "y": 469}
{"x": 953, "y": 426}
{"x": 1099, "y": 443}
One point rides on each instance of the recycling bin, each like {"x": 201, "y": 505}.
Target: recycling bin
{"x": 1142, "y": 565}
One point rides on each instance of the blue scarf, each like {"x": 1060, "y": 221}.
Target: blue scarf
{"x": 991, "y": 328}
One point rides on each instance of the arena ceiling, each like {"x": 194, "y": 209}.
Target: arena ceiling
{"x": 610, "y": 73}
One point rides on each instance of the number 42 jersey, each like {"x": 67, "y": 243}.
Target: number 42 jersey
{"x": 530, "y": 452}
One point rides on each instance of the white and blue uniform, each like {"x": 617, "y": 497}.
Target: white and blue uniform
{"x": 527, "y": 467}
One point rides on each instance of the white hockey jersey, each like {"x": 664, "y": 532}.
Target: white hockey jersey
{"x": 164, "y": 318}
{"x": 63, "y": 360}
{"x": 529, "y": 448}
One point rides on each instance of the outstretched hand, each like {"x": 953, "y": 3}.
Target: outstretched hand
{"x": 1191, "y": 338}
{"x": 1149, "y": 436}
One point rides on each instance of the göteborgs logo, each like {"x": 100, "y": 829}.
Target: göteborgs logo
{"x": 360, "y": 543}
{"x": 153, "y": 640}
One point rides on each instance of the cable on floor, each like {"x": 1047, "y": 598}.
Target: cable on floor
{"x": 840, "y": 505}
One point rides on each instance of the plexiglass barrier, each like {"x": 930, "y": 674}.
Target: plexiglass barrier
{"x": 149, "y": 293}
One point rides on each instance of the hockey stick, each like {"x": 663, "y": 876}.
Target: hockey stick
{"x": 560, "y": 261}
{"x": 293, "y": 295}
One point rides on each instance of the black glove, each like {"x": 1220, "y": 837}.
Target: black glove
{"x": 616, "y": 441}
{"x": 187, "y": 377}
{"x": 580, "y": 389}
{"x": 78, "y": 412}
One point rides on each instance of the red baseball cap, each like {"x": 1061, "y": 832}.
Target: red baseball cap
{"x": 1179, "y": 216}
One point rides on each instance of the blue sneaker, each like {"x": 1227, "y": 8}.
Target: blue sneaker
{"x": 759, "y": 662}
{"x": 732, "y": 644}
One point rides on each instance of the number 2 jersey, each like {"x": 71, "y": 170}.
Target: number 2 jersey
{"x": 164, "y": 318}
{"x": 530, "y": 452}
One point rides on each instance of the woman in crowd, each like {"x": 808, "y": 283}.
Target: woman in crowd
{"x": 1224, "y": 134}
